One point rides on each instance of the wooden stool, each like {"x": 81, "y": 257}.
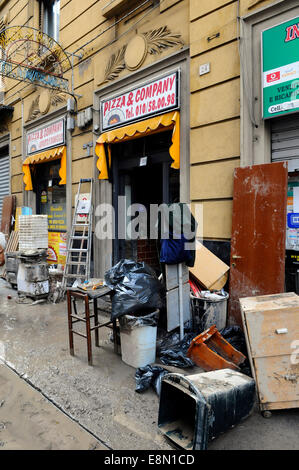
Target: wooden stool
{"x": 73, "y": 317}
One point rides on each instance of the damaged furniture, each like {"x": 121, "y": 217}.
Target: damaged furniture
{"x": 271, "y": 327}
{"x": 199, "y": 407}
{"x": 73, "y": 296}
{"x": 211, "y": 351}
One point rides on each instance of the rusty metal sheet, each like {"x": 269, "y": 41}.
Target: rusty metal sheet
{"x": 8, "y": 209}
{"x": 258, "y": 233}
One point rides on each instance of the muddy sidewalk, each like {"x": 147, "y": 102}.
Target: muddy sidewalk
{"x": 28, "y": 421}
{"x": 102, "y": 398}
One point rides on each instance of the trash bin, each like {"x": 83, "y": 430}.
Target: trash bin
{"x": 196, "y": 408}
{"x": 211, "y": 309}
{"x": 138, "y": 336}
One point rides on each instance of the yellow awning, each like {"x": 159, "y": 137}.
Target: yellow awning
{"x": 140, "y": 129}
{"x": 46, "y": 156}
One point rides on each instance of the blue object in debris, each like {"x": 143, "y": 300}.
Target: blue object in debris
{"x": 26, "y": 210}
{"x": 293, "y": 220}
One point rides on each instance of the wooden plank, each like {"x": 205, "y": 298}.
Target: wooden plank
{"x": 269, "y": 302}
{"x": 244, "y": 324}
{"x": 280, "y": 405}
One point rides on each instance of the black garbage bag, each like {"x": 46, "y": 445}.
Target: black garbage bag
{"x": 149, "y": 376}
{"x": 136, "y": 288}
{"x": 175, "y": 354}
{"x": 235, "y": 336}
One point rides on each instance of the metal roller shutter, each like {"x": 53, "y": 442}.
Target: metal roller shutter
{"x": 4, "y": 179}
{"x": 285, "y": 141}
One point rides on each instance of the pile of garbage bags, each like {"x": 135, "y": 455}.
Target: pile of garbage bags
{"x": 136, "y": 288}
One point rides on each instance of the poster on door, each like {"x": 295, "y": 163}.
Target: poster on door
{"x": 292, "y": 231}
{"x": 57, "y": 248}
{"x": 83, "y": 207}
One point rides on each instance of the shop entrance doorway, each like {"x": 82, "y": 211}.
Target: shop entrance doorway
{"x": 141, "y": 176}
{"x": 50, "y": 195}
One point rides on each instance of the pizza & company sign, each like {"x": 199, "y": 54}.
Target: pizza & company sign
{"x": 152, "y": 98}
{"x": 51, "y": 135}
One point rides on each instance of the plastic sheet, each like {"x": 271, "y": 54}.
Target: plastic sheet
{"x": 136, "y": 288}
{"x": 235, "y": 336}
{"x": 149, "y": 376}
{"x": 129, "y": 322}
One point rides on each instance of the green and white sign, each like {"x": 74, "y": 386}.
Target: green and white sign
{"x": 280, "y": 69}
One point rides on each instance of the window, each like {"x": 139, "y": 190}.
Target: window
{"x": 49, "y": 17}
{"x": 50, "y": 195}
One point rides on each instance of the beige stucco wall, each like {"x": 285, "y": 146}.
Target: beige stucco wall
{"x": 208, "y": 26}
{"x": 215, "y": 108}
{"x": 82, "y": 24}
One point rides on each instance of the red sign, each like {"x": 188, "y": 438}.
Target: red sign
{"x": 273, "y": 77}
{"x": 292, "y": 32}
{"x": 45, "y": 137}
{"x": 150, "y": 99}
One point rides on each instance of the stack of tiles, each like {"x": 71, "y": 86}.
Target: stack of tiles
{"x": 33, "y": 232}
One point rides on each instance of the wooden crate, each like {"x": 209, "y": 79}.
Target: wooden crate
{"x": 271, "y": 327}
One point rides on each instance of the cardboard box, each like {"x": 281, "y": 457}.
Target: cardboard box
{"x": 210, "y": 271}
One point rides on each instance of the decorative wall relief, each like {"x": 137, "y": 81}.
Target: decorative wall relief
{"x": 43, "y": 102}
{"x": 3, "y": 22}
{"x": 115, "y": 65}
{"x": 160, "y": 39}
{"x": 133, "y": 55}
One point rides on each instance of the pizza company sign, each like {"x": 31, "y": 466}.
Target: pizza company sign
{"x": 45, "y": 137}
{"x": 152, "y": 98}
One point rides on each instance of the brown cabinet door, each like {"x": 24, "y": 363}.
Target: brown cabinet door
{"x": 258, "y": 233}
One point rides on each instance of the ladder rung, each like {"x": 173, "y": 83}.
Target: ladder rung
{"x": 77, "y": 237}
{"x": 83, "y": 250}
{"x": 78, "y": 224}
{"x": 76, "y": 263}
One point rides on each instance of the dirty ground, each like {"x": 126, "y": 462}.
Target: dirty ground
{"x": 28, "y": 421}
{"x": 102, "y": 398}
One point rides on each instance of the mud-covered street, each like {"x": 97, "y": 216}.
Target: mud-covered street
{"x": 28, "y": 421}
{"x": 45, "y": 391}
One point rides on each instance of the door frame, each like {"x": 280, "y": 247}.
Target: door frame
{"x": 103, "y": 188}
{"x": 119, "y": 168}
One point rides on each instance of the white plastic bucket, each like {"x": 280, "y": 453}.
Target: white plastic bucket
{"x": 138, "y": 345}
